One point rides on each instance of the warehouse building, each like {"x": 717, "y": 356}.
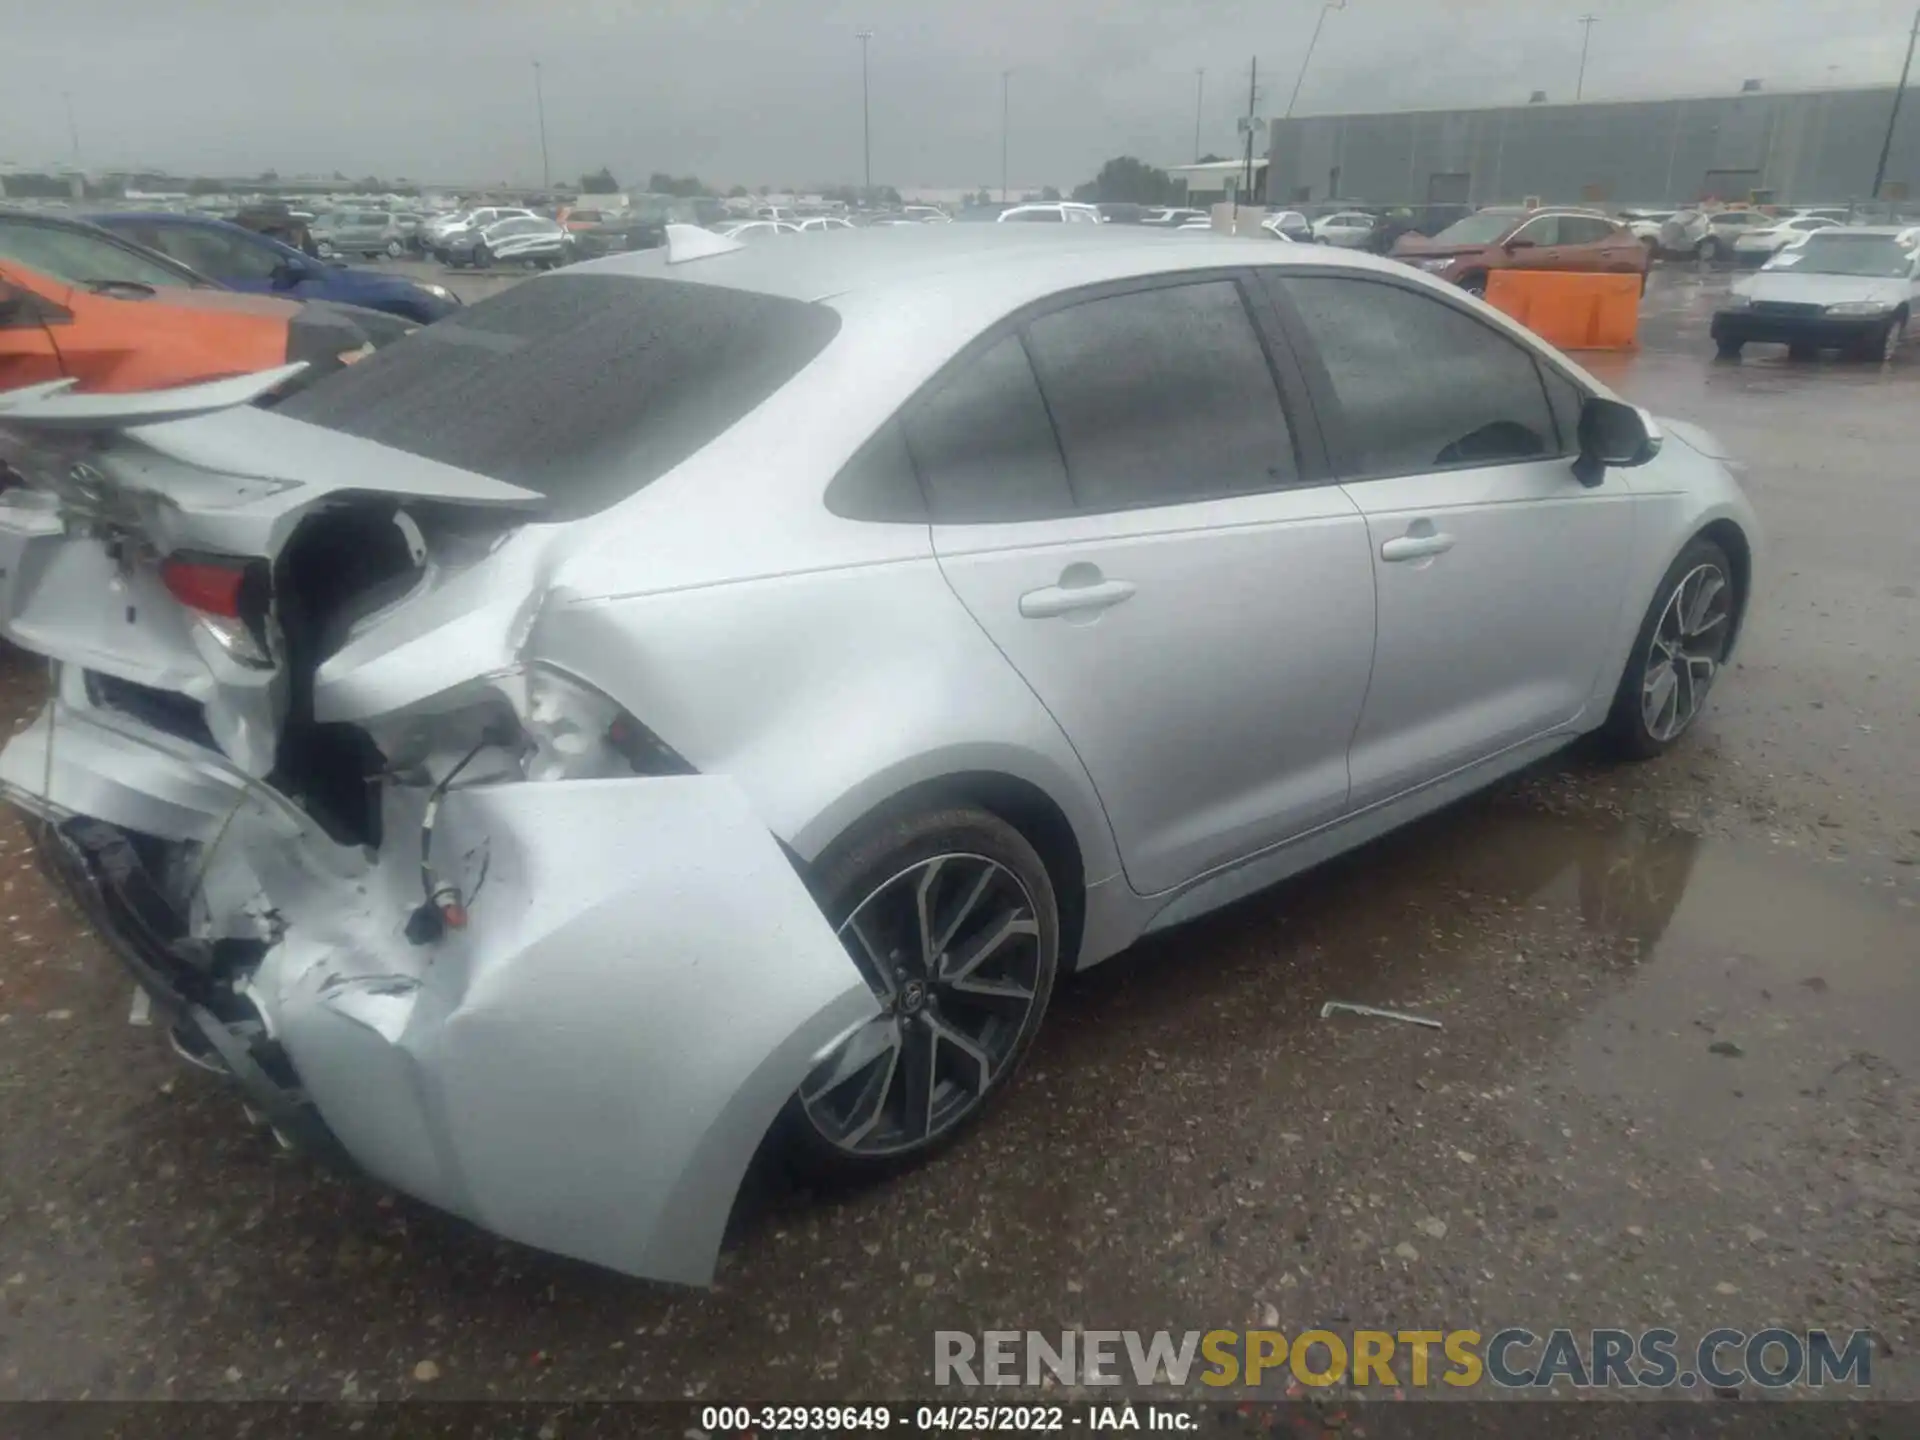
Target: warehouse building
{"x": 1789, "y": 147}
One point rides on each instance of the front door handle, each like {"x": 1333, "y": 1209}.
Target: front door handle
{"x": 1082, "y": 590}
{"x": 1417, "y": 547}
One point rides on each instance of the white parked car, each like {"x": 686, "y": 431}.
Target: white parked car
{"x": 1349, "y": 229}
{"x": 752, "y": 232}
{"x": 1850, "y": 288}
{"x": 926, "y": 214}
{"x": 1760, "y": 243}
{"x": 704, "y": 699}
{"x": 823, "y": 222}
{"x": 1051, "y": 213}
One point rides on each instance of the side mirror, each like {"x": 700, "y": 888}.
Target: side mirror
{"x": 1519, "y": 242}
{"x": 1613, "y": 433}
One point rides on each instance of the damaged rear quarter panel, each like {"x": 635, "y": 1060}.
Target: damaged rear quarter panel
{"x": 590, "y": 1065}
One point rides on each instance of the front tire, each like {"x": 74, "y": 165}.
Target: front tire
{"x": 1476, "y": 286}
{"x": 1707, "y": 251}
{"x": 1884, "y": 344}
{"x": 324, "y": 248}
{"x": 1676, "y": 655}
{"x": 395, "y": 249}
{"x": 951, "y": 917}
{"x": 482, "y": 257}
{"x": 1729, "y": 349}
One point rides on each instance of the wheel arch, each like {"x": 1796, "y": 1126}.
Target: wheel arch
{"x": 1026, "y": 806}
{"x": 1728, "y": 535}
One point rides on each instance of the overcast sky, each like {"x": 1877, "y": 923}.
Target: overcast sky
{"x": 768, "y": 91}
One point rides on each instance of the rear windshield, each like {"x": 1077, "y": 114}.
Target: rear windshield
{"x": 586, "y": 388}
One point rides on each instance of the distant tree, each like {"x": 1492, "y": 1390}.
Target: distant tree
{"x": 269, "y": 177}
{"x": 685, "y": 186}
{"x": 338, "y": 175}
{"x": 600, "y": 182}
{"x": 764, "y": 191}
{"x": 1211, "y": 159}
{"x": 204, "y": 185}
{"x": 1125, "y": 180}
{"x": 1049, "y": 192}
{"x": 738, "y": 192}
{"x": 981, "y": 197}
{"x": 887, "y": 195}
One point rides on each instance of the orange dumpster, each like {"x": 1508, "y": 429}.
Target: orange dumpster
{"x": 1571, "y": 310}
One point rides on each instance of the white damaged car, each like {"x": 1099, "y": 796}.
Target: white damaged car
{"x": 705, "y": 697}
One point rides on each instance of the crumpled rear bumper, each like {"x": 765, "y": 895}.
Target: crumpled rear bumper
{"x": 587, "y": 1067}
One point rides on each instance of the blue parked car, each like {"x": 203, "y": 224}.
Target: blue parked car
{"x": 243, "y": 260}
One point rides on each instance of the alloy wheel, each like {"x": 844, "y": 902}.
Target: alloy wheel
{"x": 951, "y": 949}
{"x": 1684, "y": 655}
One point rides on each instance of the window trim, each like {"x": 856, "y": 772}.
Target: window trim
{"x": 1312, "y": 460}
{"x": 1341, "y": 451}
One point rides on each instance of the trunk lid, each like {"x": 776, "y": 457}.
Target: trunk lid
{"x": 142, "y": 535}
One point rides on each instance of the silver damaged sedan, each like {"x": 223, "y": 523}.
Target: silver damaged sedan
{"x": 704, "y": 699}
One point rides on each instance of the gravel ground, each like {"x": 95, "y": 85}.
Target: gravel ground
{"x": 1679, "y": 1080}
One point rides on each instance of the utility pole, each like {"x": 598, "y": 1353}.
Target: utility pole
{"x": 1586, "y": 39}
{"x": 1325, "y": 9}
{"x": 1199, "y": 101}
{"x": 1004, "y": 74}
{"x": 540, "y": 103}
{"x": 1253, "y": 99}
{"x": 1886, "y": 147}
{"x": 866, "y": 123}
{"x": 73, "y": 130}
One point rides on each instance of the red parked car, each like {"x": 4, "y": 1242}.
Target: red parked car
{"x": 1468, "y": 250}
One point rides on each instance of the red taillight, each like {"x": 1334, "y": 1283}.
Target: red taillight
{"x": 210, "y": 586}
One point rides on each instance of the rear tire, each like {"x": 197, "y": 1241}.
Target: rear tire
{"x": 914, "y": 898}
{"x": 1803, "y": 351}
{"x": 395, "y": 249}
{"x": 324, "y": 248}
{"x": 1708, "y": 250}
{"x": 482, "y": 257}
{"x": 1729, "y": 349}
{"x": 1475, "y": 285}
{"x": 1676, "y": 654}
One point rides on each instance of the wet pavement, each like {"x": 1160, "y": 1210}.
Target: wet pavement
{"x": 1678, "y": 1081}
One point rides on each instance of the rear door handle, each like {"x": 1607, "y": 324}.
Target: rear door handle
{"x": 1417, "y": 547}
{"x": 1088, "y": 596}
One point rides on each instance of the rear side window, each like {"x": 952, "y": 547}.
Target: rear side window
{"x": 982, "y": 444}
{"x": 1162, "y": 396}
{"x": 1544, "y": 231}
{"x": 1584, "y": 229}
{"x": 586, "y": 388}
{"x": 1421, "y": 385}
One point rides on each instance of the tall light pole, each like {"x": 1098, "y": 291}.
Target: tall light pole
{"x": 73, "y": 130}
{"x": 1005, "y": 76}
{"x": 1886, "y": 146}
{"x": 1199, "y": 100}
{"x": 866, "y": 124}
{"x": 1325, "y": 9}
{"x": 1587, "y": 23}
{"x": 540, "y": 104}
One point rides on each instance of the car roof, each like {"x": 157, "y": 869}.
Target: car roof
{"x": 1020, "y": 261}
{"x": 1891, "y": 232}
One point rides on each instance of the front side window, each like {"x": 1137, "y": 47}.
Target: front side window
{"x": 1584, "y": 230}
{"x": 1162, "y": 397}
{"x": 983, "y": 445}
{"x": 1543, "y": 231}
{"x": 1032, "y": 217}
{"x": 83, "y": 259}
{"x": 217, "y": 253}
{"x": 1421, "y": 386}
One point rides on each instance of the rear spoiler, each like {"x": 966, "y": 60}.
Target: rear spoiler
{"x": 56, "y": 406}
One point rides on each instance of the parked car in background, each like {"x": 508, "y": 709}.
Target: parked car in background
{"x": 617, "y": 235}
{"x": 1846, "y": 288}
{"x": 577, "y": 218}
{"x": 737, "y": 747}
{"x": 78, "y": 302}
{"x": 362, "y": 232}
{"x": 1349, "y": 229}
{"x": 1119, "y": 213}
{"x": 1289, "y": 225}
{"x": 243, "y": 260}
{"x": 828, "y": 222}
{"x": 437, "y": 235}
{"x": 1173, "y": 217}
{"x": 1500, "y": 238}
{"x": 518, "y": 240}
{"x": 1645, "y": 225}
{"x": 1050, "y": 213}
{"x": 783, "y": 213}
{"x": 1758, "y": 244}
{"x": 753, "y": 232}
{"x": 926, "y": 214}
